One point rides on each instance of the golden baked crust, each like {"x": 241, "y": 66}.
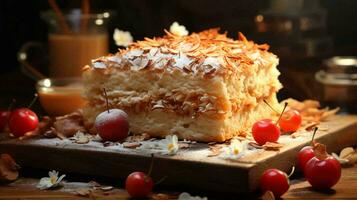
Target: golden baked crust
{"x": 204, "y": 86}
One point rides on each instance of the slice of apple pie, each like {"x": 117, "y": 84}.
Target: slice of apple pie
{"x": 203, "y": 87}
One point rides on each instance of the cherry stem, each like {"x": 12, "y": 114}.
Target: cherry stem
{"x": 292, "y": 171}
{"x": 282, "y": 112}
{"x": 11, "y": 105}
{"x": 33, "y": 101}
{"x": 161, "y": 180}
{"x": 270, "y": 106}
{"x": 313, "y": 136}
{"x": 106, "y": 98}
{"x": 151, "y": 164}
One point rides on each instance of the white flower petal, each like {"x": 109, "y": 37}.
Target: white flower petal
{"x": 178, "y": 29}
{"x": 60, "y": 179}
{"x": 53, "y": 173}
{"x": 44, "y": 183}
{"x": 122, "y": 38}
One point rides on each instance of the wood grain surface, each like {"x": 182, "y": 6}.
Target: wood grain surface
{"x": 25, "y": 188}
{"x": 190, "y": 168}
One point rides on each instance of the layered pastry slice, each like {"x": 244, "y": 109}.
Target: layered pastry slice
{"x": 203, "y": 87}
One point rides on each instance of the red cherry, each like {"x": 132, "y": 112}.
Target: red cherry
{"x": 139, "y": 185}
{"x": 4, "y": 118}
{"x": 275, "y": 181}
{"x": 112, "y": 125}
{"x": 322, "y": 171}
{"x": 21, "y": 121}
{"x": 290, "y": 121}
{"x": 265, "y": 131}
{"x": 304, "y": 155}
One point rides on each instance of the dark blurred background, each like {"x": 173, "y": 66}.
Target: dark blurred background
{"x": 325, "y": 28}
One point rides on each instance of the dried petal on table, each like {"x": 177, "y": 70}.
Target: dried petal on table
{"x": 8, "y": 168}
{"x": 184, "y": 145}
{"x": 83, "y": 192}
{"x": 255, "y": 145}
{"x": 160, "y": 196}
{"x": 215, "y": 150}
{"x": 272, "y": 146}
{"x": 94, "y": 184}
{"x": 138, "y": 138}
{"x": 70, "y": 124}
{"x": 107, "y": 188}
{"x": 81, "y": 138}
{"x": 131, "y": 145}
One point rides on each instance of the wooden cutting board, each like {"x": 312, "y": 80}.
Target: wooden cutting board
{"x": 190, "y": 168}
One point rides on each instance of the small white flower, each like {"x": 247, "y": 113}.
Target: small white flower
{"x": 187, "y": 196}
{"x": 178, "y": 29}
{"x": 122, "y": 38}
{"x": 50, "y": 182}
{"x": 235, "y": 150}
{"x": 167, "y": 146}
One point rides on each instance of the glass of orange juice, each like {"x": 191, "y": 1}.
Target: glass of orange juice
{"x": 60, "y": 96}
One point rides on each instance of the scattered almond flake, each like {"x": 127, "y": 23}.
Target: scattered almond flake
{"x": 83, "y": 192}
{"x": 255, "y": 145}
{"x": 323, "y": 127}
{"x": 138, "y": 138}
{"x": 352, "y": 158}
{"x": 184, "y": 145}
{"x": 8, "y": 168}
{"x": 310, "y": 126}
{"x": 272, "y": 146}
{"x": 52, "y": 181}
{"x": 81, "y": 138}
{"x": 215, "y": 150}
{"x": 107, "y": 188}
{"x": 160, "y": 196}
{"x": 268, "y": 195}
{"x": 122, "y": 38}
{"x": 346, "y": 152}
{"x": 344, "y": 162}
{"x": 94, "y": 184}
{"x": 131, "y": 145}
{"x": 187, "y": 196}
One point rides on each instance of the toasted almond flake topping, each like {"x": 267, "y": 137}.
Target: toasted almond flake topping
{"x": 204, "y": 53}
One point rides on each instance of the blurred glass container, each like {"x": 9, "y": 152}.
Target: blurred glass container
{"x": 339, "y": 80}
{"x": 74, "y": 39}
{"x": 60, "y": 96}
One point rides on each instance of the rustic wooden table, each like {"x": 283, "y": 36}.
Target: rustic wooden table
{"x": 25, "y": 188}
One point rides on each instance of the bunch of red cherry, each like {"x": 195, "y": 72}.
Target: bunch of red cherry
{"x": 320, "y": 169}
{"x": 19, "y": 121}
